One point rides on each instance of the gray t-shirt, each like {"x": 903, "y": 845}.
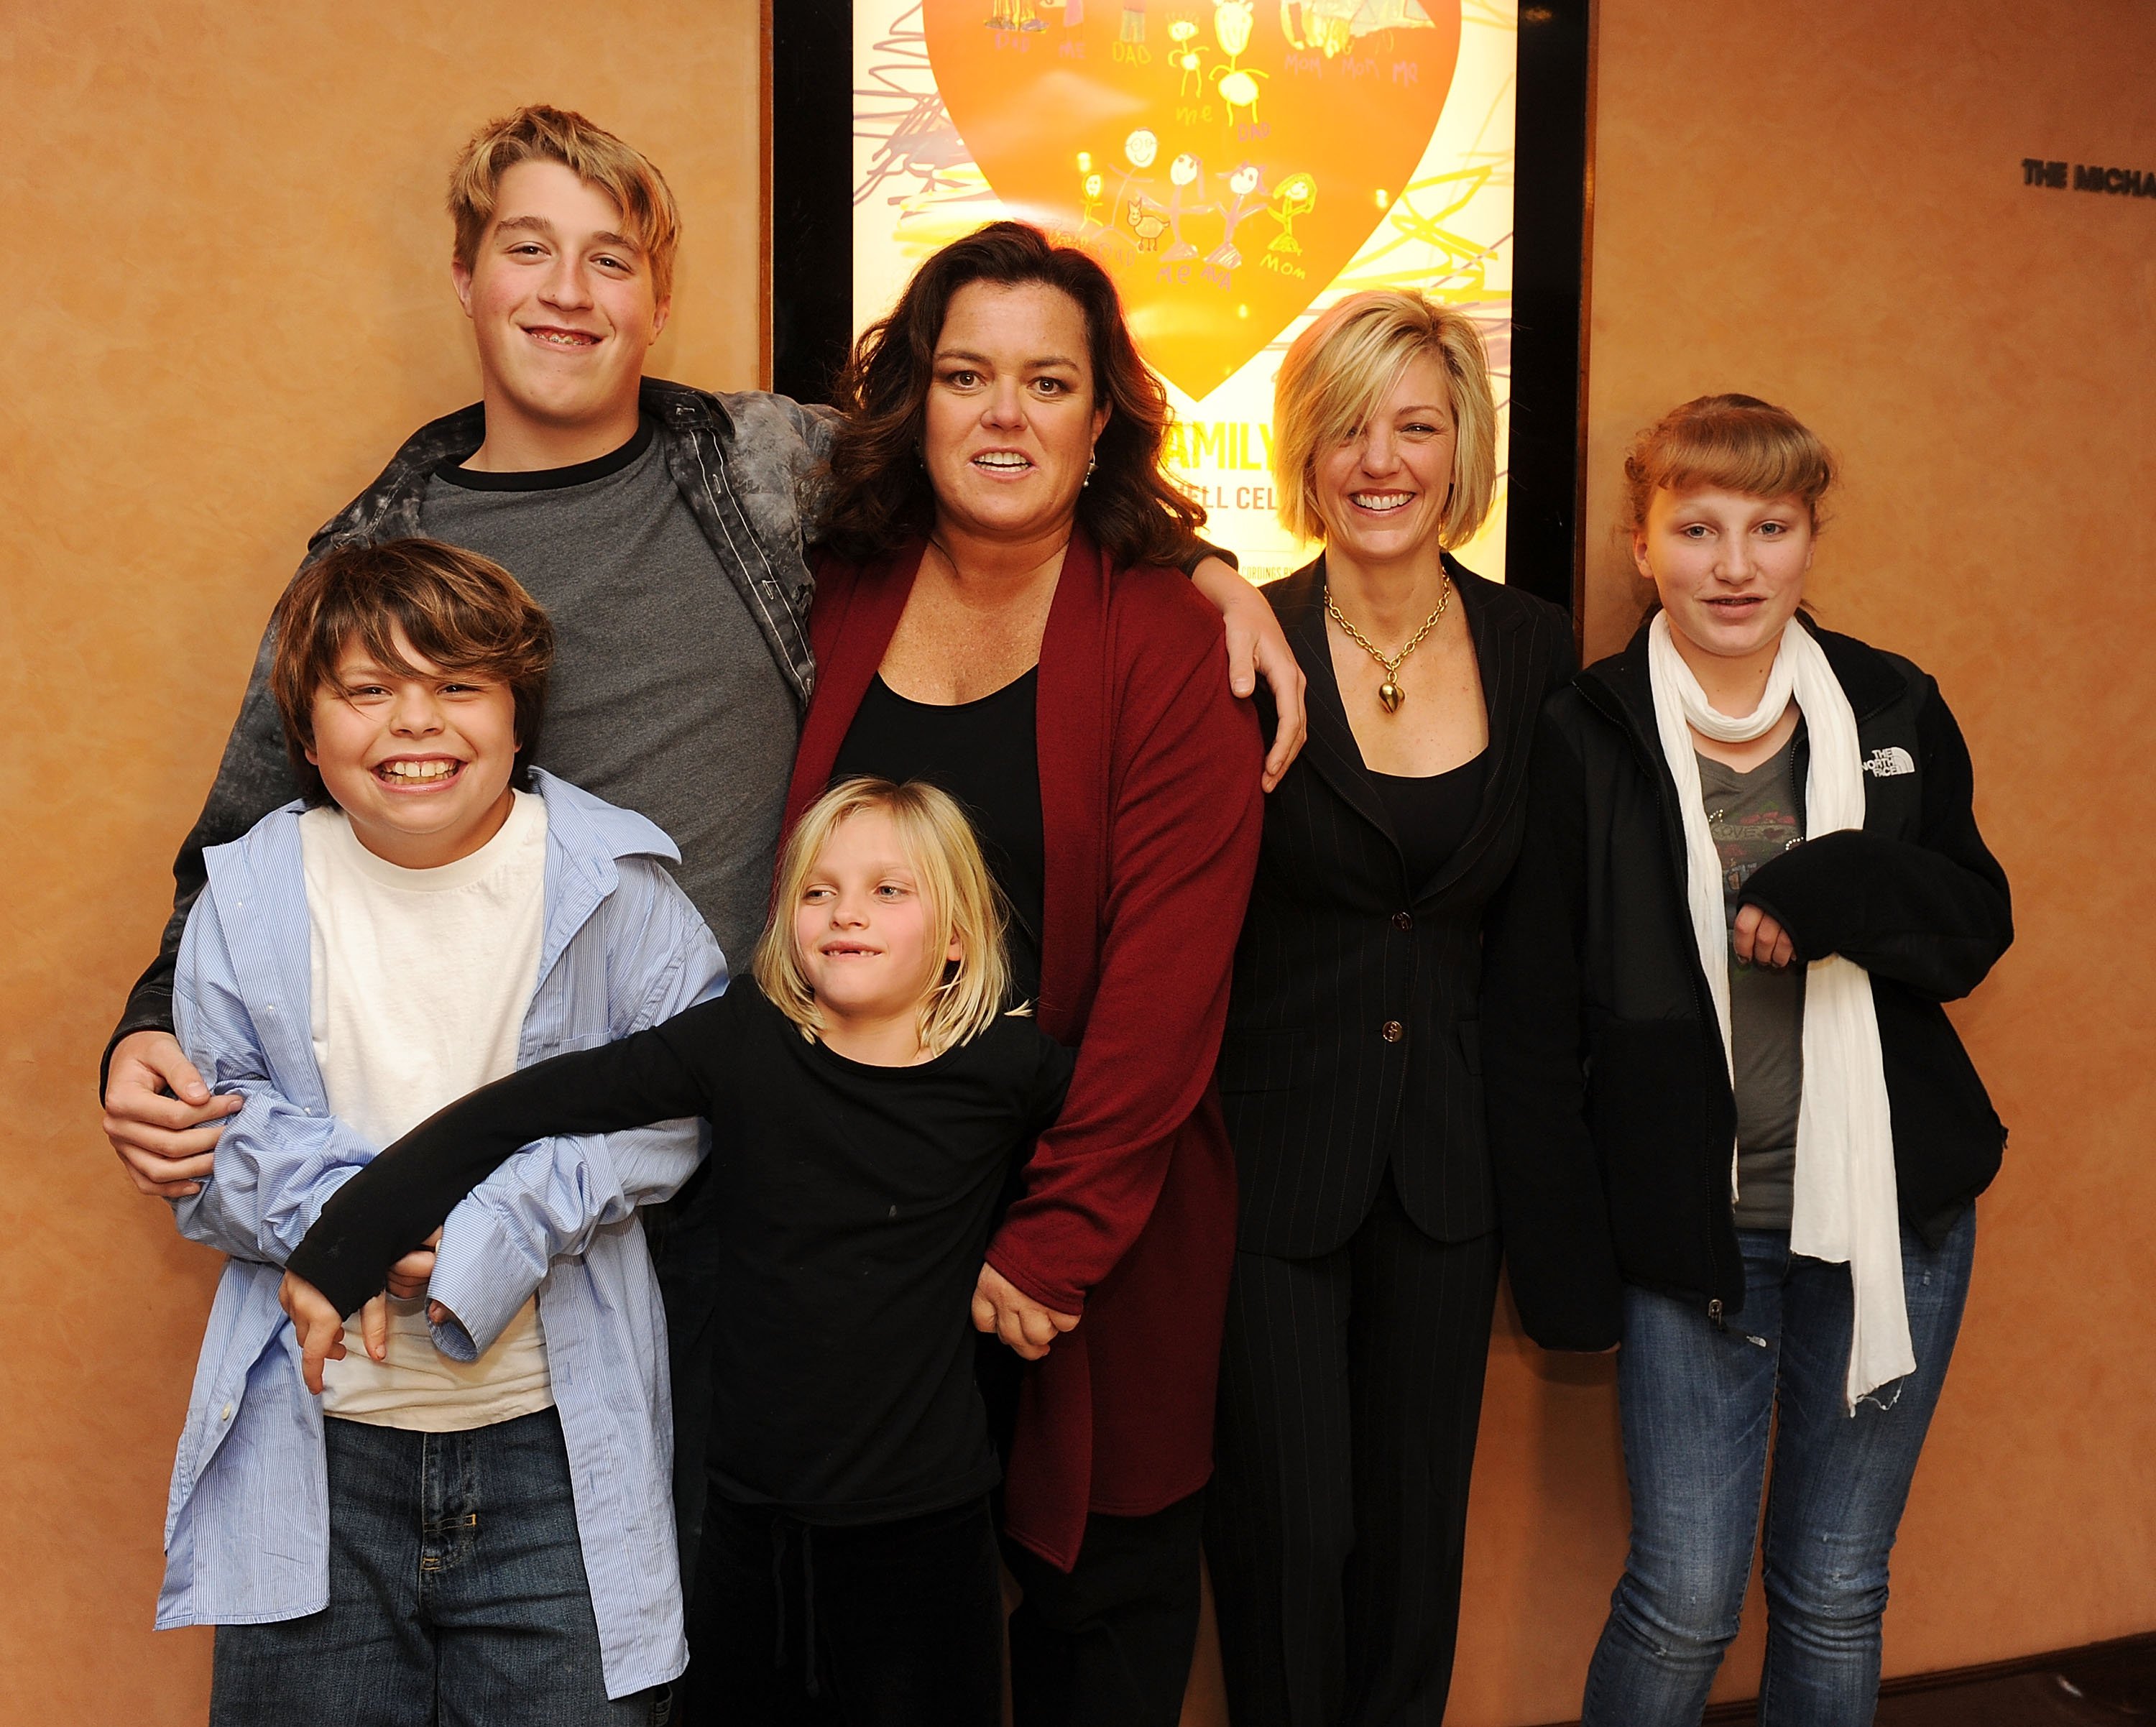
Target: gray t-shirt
{"x": 1756, "y": 817}
{"x": 665, "y": 697}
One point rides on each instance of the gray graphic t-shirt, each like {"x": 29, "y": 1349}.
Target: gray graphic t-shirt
{"x": 665, "y": 697}
{"x": 1755, "y": 817}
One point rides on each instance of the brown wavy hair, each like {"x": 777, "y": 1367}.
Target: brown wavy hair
{"x": 463, "y": 612}
{"x": 874, "y": 491}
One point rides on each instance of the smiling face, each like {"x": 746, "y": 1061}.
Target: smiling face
{"x": 1010, "y": 419}
{"x": 1729, "y": 568}
{"x": 562, "y": 303}
{"x": 1382, "y": 495}
{"x": 418, "y": 758}
{"x": 864, "y": 930}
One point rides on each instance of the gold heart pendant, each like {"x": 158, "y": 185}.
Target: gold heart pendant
{"x": 1390, "y": 695}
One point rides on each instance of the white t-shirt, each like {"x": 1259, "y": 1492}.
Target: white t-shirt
{"x": 420, "y": 982}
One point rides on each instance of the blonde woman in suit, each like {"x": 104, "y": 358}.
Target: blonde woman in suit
{"x": 1367, "y": 1255}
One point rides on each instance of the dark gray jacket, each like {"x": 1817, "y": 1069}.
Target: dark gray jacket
{"x": 740, "y": 460}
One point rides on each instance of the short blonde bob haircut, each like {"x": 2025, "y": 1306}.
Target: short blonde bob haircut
{"x": 1735, "y": 444}
{"x": 1336, "y": 379}
{"x": 963, "y": 901}
{"x": 596, "y": 157}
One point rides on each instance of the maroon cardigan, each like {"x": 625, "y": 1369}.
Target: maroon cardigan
{"x": 1150, "y": 811}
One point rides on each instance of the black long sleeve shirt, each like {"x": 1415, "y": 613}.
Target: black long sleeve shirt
{"x": 853, "y": 1203}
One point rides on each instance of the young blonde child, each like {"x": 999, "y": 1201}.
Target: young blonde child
{"x": 868, "y": 1092}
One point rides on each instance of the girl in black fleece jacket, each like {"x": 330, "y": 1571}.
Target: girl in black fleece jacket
{"x": 1709, "y": 1156}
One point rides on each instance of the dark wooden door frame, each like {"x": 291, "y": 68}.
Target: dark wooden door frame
{"x": 810, "y": 310}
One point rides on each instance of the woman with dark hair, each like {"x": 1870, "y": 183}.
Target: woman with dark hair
{"x": 1736, "y": 1135}
{"x": 1001, "y": 615}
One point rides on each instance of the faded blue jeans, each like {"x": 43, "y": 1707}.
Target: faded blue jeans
{"x": 1698, "y": 1404}
{"x": 457, "y": 1595}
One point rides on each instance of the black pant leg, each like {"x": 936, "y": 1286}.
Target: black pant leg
{"x": 895, "y": 1624}
{"x": 748, "y": 1644}
{"x": 1418, "y": 1345}
{"x": 1111, "y": 1641}
{"x": 1280, "y": 1516}
{"x": 909, "y": 1619}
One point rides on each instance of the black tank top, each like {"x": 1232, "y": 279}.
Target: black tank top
{"x": 1432, "y": 812}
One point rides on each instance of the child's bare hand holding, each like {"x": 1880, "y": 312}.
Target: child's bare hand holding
{"x": 407, "y": 1277}
{"x": 1000, "y": 1306}
{"x": 316, "y": 1324}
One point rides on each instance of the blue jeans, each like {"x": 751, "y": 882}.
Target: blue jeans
{"x": 457, "y": 1595}
{"x": 1698, "y": 1406}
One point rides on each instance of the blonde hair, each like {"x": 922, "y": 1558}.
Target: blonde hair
{"x": 596, "y": 157}
{"x": 962, "y": 902}
{"x": 1336, "y": 378}
{"x": 1726, "y": 443}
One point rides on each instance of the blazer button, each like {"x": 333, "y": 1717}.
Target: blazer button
{"x": 1392, "y": 1031}
{"x": 1402, "y": 920}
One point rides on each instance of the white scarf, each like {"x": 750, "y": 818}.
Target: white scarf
{"x": 1846, "y": 1208}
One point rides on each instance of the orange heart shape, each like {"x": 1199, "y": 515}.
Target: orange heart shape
{"x": 1224, "y": 161}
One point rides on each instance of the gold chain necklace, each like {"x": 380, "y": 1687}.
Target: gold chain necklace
{"x": 1390, "y": 695}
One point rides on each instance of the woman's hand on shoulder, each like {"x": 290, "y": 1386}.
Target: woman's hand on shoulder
{"x": 1001, "y": 1307}
{"x": 1257, "y": 648}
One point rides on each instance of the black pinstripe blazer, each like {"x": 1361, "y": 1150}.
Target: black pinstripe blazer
{"x": 1352, "y": 1034}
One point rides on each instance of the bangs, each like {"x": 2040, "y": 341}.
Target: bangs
{"x": 1735, "y": 444}
{"x": 1774, "y": 465}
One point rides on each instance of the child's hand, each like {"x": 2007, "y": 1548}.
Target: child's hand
{"x": 319, "y": 1327}
{"x": 1001, "y": 1307}
{"x": 407, "y": 1277}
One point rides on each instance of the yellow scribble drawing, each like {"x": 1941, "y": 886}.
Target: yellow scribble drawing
{"x": 1297, "y": 196}
{"x": 1232, "y": 20}
{"x": 1187, "y": 59}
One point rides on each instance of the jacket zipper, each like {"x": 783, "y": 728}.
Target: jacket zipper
{"x": 1665, "y": 783}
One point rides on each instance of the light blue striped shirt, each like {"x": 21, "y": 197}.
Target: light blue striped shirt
{"x": 247, "y": 1525}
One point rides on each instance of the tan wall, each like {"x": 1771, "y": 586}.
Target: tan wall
{"x": 229, "y": 292}
{"x": 227, "y": 267}
{"x": 1822, "y": 205}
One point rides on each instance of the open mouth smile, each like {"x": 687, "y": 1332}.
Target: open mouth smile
{"x": 1003, "y": 463}
{"x": 1381, "y": 503}
{"x": 408, "y": 773}
{"x": 848, "y": 950}
{"x": 553, "y": 336}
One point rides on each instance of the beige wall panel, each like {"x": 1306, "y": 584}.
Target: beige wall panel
{"x": 1822, "y": 205}
{"x": 228, "y": 283}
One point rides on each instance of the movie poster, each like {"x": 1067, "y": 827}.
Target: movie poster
{"x": 1236, "y": 165}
